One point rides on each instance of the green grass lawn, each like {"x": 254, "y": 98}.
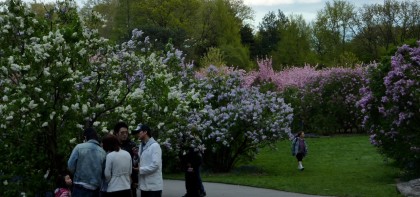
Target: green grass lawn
{"x": 334, "y": 166}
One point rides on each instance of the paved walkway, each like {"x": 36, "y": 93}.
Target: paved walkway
{"x": 176, "y": 188}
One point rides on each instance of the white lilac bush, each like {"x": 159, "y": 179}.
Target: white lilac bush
{"x": 391, "y": 107}
{"x": 57, "y": 78}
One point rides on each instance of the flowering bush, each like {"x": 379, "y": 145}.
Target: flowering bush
{"x": 234, "y": 121}
{"x": 57, "y": 77}
{"x": 163, "y": 99}
{"x": 323, "y": 100}
{"x": 390, "y": 105}
{"x": 328, "y": 102}
{"x": 291, "y": 77}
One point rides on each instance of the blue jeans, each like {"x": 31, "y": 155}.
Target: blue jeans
{"x": 79, "y": 191}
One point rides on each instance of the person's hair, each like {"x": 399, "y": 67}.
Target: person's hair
{"x": 110, "y": 143}
{"x": 118, "y": 126}
{"x": 147, "y": 129}
{"x": 299, "y": 133}
{"x": 60, "y": 180}
{"x": 90, "y": 134}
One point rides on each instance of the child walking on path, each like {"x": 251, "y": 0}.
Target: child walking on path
{"x": 299, "y": 149}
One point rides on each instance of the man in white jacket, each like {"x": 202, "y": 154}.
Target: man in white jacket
{"x": 150, "y": 165}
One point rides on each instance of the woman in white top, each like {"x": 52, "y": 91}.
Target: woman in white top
{"x": 118, "y": 168}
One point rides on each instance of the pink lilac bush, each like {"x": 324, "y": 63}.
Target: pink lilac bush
{"x": 295, "y": 76}
{"x": 323, "y": 100}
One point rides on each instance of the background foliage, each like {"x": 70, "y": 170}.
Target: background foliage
{"x": 340, "y": 35}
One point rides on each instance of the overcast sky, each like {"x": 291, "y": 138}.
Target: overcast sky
{"x": 307, "y": 8}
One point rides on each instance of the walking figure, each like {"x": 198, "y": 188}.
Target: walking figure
{"x": 299, "y": 149}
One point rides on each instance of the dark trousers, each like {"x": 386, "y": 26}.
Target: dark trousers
{"x": 192, "y": 184}
{"x": 80, "y": 191}
{"x": 151, "y": 193}
{"x": 122, "y": 193}
{"x": 135, "y": 179}
{"x": 299, "y": 156}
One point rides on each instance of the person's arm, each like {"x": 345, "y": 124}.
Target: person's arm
{"x": 72, "y": 162}
{"x": 131, "y": 165}
{"x": 108, "y": 168}
{"x": 156, "y": 160}
{"x": 294, "y": 146}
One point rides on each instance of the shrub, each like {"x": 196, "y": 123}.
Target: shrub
{"x": 234, "y": 122}
{"x": 324, "y": 101}
{"x": 329, "y": 101}
{"x": 390, "y": 105}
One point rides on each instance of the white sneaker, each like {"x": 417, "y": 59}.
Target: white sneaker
{"x": 300, "y": 167}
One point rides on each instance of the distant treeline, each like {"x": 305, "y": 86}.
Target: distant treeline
{"x": 340, "y": 35}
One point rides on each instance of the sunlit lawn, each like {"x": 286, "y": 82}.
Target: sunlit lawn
{"x": 335, "y": 166}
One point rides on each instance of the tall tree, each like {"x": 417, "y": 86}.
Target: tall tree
{"x": 332, "y": 30}
{"x": 221, "y": 28}
{"x": 367, "y": 38}
{"x": 248, "y": 39}
{"x": 380, "y": 28}
{"x": 269, "y": 32}
{"x": 295, "y": 48}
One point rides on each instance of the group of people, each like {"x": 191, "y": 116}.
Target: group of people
{"x": 114, "y": 166}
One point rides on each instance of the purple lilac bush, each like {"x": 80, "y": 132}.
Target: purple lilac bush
{"x": 391, "y": 107}
{"x": 330, "y": 98}
{"x": 235, "y": 121}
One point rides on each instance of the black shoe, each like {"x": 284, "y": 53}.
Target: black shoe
{"x": 203, "y": 194}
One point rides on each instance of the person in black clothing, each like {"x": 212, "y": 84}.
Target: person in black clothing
{"x": 121, "y": 131}
{"x": 191, "y": 162}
